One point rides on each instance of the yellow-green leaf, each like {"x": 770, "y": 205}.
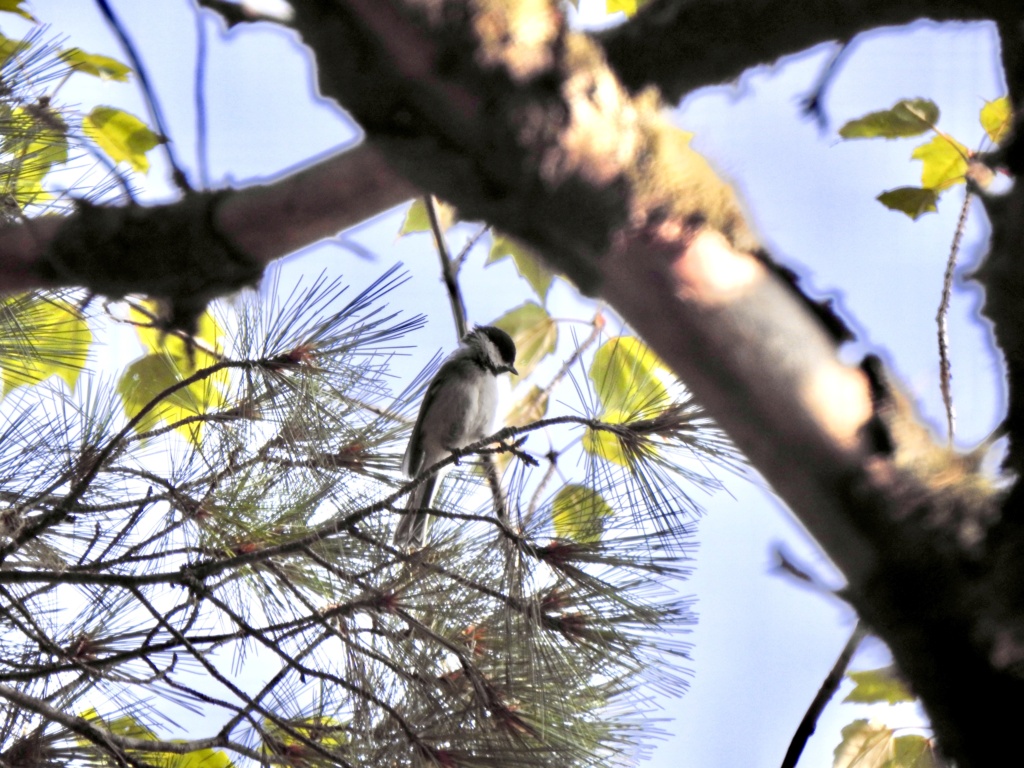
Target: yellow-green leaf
{"x": 15, "y": 6}
{"x": 54, "y": 340}
{"x": 945, "y": 162}
{"x": 417, "y": 219}
{"x": 200, "y": 758}
{"x": 995, "y": 118}
{"x": 96, "y": 65}
{"x": 628, "y": 7}
{"x": 534, "y": 332}
{"x": 122, "y": 136}
{"x": 204, "y": 352}
{"x": 909, "y": 117}
{"x": 128, "y": 726}
{"x": 529, "y": 267}
{"x": 865, "y": 744}
{"x": 149, "y": 378}
{"x": 912, "y": 201}
{"x": 628, "y": 376}
{"x": 578, "y": 514}
{"x": 35, "y": 141}
{"x": 912, "y": 751}
{"x": 10, "y": 48}
{"x": 605, "y": 444}
{"x": 328, "y": 732}
{"x": 873, "y": 686}
{"x": 531, "y": 407}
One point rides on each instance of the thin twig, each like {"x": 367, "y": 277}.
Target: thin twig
{"x": 205, "y": 569}
{"x": 200, "y": 98}
{"x": 812, "y": 102}
{"x": 451, "y": 280}
{"x": 828, "y": 689}
{"x": 473, "y": 240}
{"x": 147, "y": 90}
{"x": 941, "y": 318}
{"x": 597, "y": 326}
{"x": 79, "y": 488}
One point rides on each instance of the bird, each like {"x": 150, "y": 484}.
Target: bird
{"x": 458, "y": 409}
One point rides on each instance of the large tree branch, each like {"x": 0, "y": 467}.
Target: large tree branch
{"x": 501, "y": 110}
{"x": 206, "y": 244}
{"x": 1002, "y": 274}
{"x": 681, "y": 45}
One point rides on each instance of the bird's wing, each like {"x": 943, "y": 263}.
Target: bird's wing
{"x": 412, "y": 462}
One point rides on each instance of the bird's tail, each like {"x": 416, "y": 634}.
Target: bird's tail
{"x": 411, "y": 531}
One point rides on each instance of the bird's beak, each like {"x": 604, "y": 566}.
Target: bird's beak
{"x": 512, "y": 370}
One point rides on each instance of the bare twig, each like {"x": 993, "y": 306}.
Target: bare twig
{"x": 200, "y": 97}
{"x": 941, "y": 319}
{"x": 451, "y": 279}
{"x": 597, "y": 326}
{"x": 812, "y": 103}
{"x": 828, "y": 689}
{"x": 473, "y": 240}
{"x": 151, "y": 101}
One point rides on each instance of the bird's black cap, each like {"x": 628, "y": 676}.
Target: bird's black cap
{"x": 503, "y": 342}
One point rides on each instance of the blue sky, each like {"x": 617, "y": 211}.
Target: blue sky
{"x": 764, "y": 643}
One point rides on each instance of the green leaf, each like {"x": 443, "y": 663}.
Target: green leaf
{"x": 122, "y": 136}
{"x": 56, "y": 342}
{"x": 912, "y": 201}
{"x": 873, "y": 745}
{"x": 328, "y": 732}
{"x": 14, "y": 6}
{"x": 36, "y": 141}
{"x": 910, "y": 117}
{"x": 628, "y": 379}
{"x": 607, "y": 445}
{"x": 534, "y": 332}
{"x": 628, "y": 376}
{"x": 865, "y": 744}
{"x": 529, "y": 267}
{"x": 200, "y": 758}
{"x": 10, "y": 48}
{"x": 417, "y": 219}
{"x": 996, "y": 117}
{"x": 96, "y": 65}
{"x": 128, "y": 726}
{"x": 204, "y": 352}
{"x": 945, "y": 162}
{"x": 531, "y": 407}
{"x": 913, "y": 751}
{"x": 578, "y": 514}
{"x": 874, "y": 686}
{"x": 149, "y": 378}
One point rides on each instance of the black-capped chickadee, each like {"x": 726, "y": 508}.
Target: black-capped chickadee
{"x": 458, "y": 409}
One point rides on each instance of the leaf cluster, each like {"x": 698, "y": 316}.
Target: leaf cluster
{"x": 42, "y": 140}
{"x": 945, "y": 161}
